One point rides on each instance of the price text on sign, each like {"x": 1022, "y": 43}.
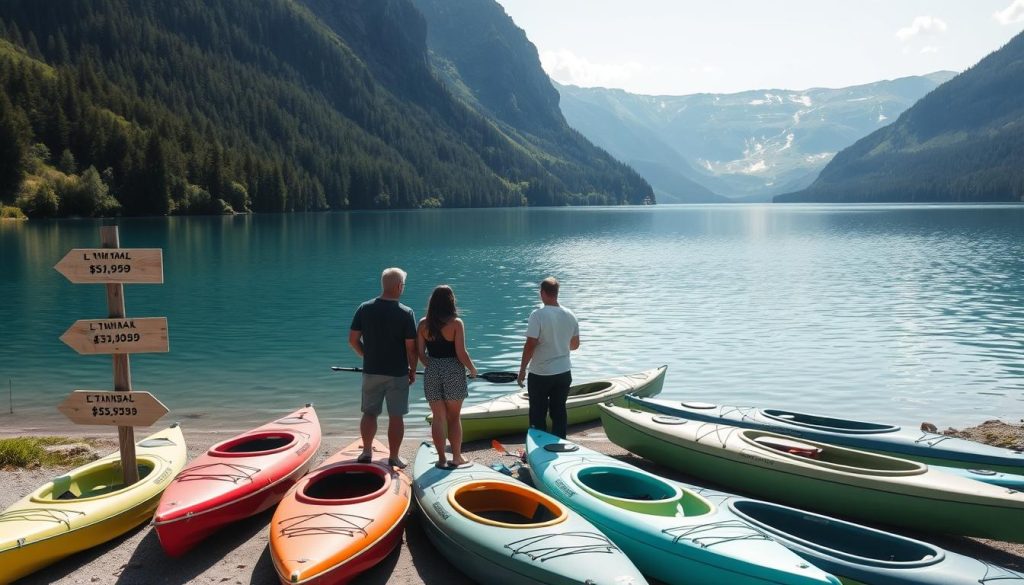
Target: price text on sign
{"x": 101, "y": 336}
{"x": 100, "y": 407}
{"x": 113, "y": 265}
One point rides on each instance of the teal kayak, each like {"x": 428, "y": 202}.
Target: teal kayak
{"x": 499, "y": 530}
{"x": 930, "y": 448}
{"x": 821, "y": 477}
{"x": 672, "y": 533}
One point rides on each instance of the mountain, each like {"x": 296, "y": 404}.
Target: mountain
{"x": 146, "y": 107}
{"x": 962, "y": 142}
{"x": 751, "y": 144}
{"x": 490, "y": 64}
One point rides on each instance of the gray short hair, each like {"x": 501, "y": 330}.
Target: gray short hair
{"x": 392, "y": 277}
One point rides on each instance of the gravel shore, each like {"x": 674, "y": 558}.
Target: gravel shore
{"x": 239, "y": 554}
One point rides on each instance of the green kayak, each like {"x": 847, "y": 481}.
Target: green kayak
{"x": 510, "y": 413}
{"x": 822, "y": 477}
{"x": 499, "y": 530}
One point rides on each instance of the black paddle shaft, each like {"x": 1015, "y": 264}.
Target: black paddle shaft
{"x": 492, "y": 377}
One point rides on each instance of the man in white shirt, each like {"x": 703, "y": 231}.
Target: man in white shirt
{"x": 551, "y": 333}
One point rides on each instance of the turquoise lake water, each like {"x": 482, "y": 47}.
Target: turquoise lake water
{"x": 893, "y": 313}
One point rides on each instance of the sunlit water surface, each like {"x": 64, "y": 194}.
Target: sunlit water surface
{"x": 895, "y": 314}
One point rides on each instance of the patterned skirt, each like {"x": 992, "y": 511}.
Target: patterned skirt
{"x": 445, "y": 379}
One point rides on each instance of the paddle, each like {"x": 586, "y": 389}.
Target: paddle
{"x": 521, "y": 454}
{"x": 492, "y": 377}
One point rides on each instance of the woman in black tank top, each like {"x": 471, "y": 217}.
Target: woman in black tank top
{"x": 441, "y": 342}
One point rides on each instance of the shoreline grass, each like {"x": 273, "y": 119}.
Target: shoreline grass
{"x": 30, "y": 452}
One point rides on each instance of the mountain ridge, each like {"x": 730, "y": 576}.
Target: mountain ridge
{"x": 739, "y": 144}
{"x": 964, "y": 141}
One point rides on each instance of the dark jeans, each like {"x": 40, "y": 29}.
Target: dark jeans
{"x": 549, "y": 393}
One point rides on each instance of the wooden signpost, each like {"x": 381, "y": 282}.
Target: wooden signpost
{"x": 118, "y": 335}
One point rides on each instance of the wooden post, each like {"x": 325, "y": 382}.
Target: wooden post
{"x": 122, "y": 370}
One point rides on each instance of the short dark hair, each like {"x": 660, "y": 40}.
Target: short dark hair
{"x": 550, "y": 286}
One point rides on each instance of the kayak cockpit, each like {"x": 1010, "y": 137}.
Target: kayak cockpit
{"x": 837, "y": 538}
{"x": 640, "y": 492}
{"x": 827, "y": 423}
{"x": 91, "y": 481}
{"x": 831, "y": 456}
{"x": 255, "y": 444}
{"x": 345, "y": 484}
{"x": 506, "y": 505}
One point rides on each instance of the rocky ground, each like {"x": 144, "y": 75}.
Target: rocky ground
{"x": 239, "y": 554}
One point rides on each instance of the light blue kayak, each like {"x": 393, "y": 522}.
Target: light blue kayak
{"x": 862, "y": 555}
{"x": 930, "y": 448}
{"x": 672, "y": 533}
{"x": 499, "y": 530}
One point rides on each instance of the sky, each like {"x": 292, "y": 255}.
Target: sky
{"x": 677, "y": 47}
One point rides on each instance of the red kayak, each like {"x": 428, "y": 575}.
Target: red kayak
{"x": 236, "y": 479}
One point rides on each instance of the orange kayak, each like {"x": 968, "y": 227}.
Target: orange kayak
{"x": 341, "y": 519}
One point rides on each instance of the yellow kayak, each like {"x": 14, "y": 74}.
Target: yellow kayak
{"x": 86, "y": 506}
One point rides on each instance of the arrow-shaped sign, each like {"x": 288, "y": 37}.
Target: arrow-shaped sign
{"x": 99, "y": 336}
{"x": 113, "y": 265}
{"x": 113, "y": 408}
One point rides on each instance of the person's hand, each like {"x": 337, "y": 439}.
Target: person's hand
{"x": 521, "y": 380}
{"x": 412, "y": 377}
{"x": 472, "y": 372}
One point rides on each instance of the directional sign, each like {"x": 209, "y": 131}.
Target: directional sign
{"x": 113, "y": 265}
{"x": 113, "y": 408}
{"x": 96, "y": 336}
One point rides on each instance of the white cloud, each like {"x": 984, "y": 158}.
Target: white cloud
{"x": 565, "y": 66}
{"x": 923, "y": 25}
{"x": 929, "y": 49}
{"x": 1011, "y": 14}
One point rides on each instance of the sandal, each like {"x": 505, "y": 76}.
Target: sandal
{"x": 397, "y": 462}
{"x": 364, "y": 458}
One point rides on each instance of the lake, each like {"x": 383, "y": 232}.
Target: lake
{"x": 898, "y": 314}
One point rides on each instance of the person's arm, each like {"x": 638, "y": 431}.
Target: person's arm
{"x": 411, "y": 353}
{"x": 421, "y": 342}
{"x": 460, "y": 348}
{"x": 528, "y": 348}
{"x": 355, "y": 339}
{"x": 413, "y": 357}
{"x": 532, "y": 339}
{"x": 574, "y": 343}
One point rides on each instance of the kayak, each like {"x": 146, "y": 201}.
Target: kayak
{"x": 498, "y": 530}
{"x": 672, "y": 533}
{"x": 821, "y": 477}
{"x": 341, "y": 519}
{"x": 510, "y": 413}
{"x": 235, "y": 479}
{"x": 931, "y": 448}
{"x": 859, "y": 554}
{"x": 86, "y": 506}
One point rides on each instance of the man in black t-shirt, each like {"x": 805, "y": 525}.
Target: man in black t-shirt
{"x": 383, "y": 333}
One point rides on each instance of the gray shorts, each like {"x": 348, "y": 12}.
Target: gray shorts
{"x": 378, "y": 388}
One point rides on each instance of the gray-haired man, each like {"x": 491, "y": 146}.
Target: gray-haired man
{"x": 383, "y": 333}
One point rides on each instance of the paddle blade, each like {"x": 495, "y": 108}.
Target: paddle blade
{"x": 499, "y": 447}
{"x": 499, "y": 377}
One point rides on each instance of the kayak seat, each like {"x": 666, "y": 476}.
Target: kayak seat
{"x": 264, "y": 443}
{"x": 789, "y": 446}
{"x": 639, "y": 492}
{"x": 592, "y": 388}
{"x": 506, "y": 505}
{"x": 90, "y": 482}
{"x": 344, "y": 484}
